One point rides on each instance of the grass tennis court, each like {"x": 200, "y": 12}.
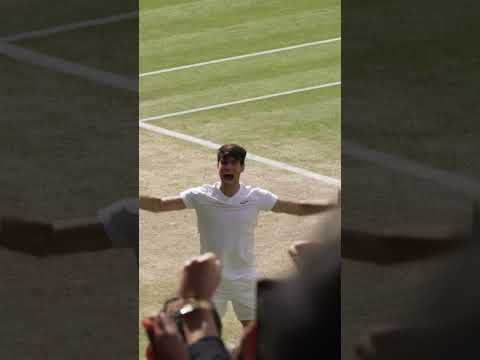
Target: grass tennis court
{"x": 309, "y": 122}
{"x": 300, "y": 129}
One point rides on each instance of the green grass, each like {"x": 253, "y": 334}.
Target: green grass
{"x": 240, "y": 79}
{"x": 172, "y": 35}
{"x": 301, "y": 129}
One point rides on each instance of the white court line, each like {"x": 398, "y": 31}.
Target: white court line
{"x": 243, "y": 101}
{"x": 455, "y": 182}
{"x": 89, "y": 73}
{"x": 232, "y": 58}
{"x": 69, "y": 27}
{"x": 276, "y": 164}
{"x": 66, "y": 67}
{"x": 458, "y": 183}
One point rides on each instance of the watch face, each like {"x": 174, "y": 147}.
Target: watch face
{"x": 186, "y": 309}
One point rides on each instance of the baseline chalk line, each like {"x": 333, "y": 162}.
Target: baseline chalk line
{"x": 273, "y": 163}
{"x": 243, "y": 101}
{"x": 239, "y": 57}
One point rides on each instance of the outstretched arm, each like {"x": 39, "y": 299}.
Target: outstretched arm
{"x": 303, "y": 208}
{"x": 42, "y": 239}
{"x": 395, "y": 248}
{"x": 385, "y": 249}
{"x": 158, "y": 204}
{"x": 115, "y": 226}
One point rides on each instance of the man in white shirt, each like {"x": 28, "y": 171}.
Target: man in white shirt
{"x": 227, "y": 216}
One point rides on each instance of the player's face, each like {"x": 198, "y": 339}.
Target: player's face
{"x": 229, "y": 170}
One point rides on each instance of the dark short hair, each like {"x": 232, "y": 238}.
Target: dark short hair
{"x": 178, "y": 321}
{"x": 232, "y": 150}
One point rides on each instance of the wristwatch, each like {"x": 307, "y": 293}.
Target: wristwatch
{"x": 190, "y": 305}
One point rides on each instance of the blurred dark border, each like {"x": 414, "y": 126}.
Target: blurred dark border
{"x": 69, "y": 148}
{"x": 410, "y": 127}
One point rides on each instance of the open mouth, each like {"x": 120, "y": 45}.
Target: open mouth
{"x": 227, "y": 176}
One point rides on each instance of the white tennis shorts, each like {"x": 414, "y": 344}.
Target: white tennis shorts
{"x": 243, "y": 295}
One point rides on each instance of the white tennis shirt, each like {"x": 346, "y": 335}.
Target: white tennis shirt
{"x": 227, "y": 225}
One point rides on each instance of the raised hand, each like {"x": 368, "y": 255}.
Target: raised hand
{"x": 200, "y": 277}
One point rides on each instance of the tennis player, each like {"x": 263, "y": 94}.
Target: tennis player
{"x": 227, "y": 216}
